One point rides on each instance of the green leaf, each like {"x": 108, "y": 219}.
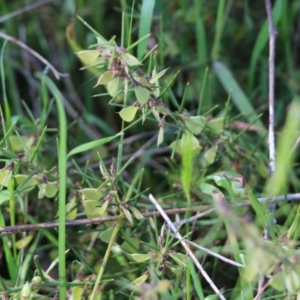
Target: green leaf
{"x": 156, "y": 77}
{"x": 187, "y": 163}
{"x": 106, "y": 235}
{"x": 24, "y": 242}
{"x": 26, "y": 182}
{"x": 128, "y": 215}
{"x": 92, "y": 194}
{"x": 49, "y": 189}
{"x": 71, "y": 209}
{"x": 88, "y": 56}
{"x": 137, "y": 214}
{"x": 128, "y": 113}
{"x": 181, "y": 144}
{"x": 210, "y": 154}
{"x": 130, "y": 60}
{"x": 140, "y": 280}
{"x": 19, "y": 143}
{"x": 5, "y": 196}
{"x": 42, "y": 191}
{"x": 114, "y": 86}
{"x": 146, "y": 16}
{"x": 277, "y": 281}
{"x": 131, "y": 244}
{"x": 142, "y": 94}
{"x": 92, "y": 208}
{"x": 105, "y": 78}
{"x": 77, "y": 291}
{"x": 92, "y": 145}
{"x": 140, "y": 257}
{"x": 160, "y": 137}
{"x": 5, "y": 177}
{"x": 216, "y": 124}
{"x": 195, "y": 124}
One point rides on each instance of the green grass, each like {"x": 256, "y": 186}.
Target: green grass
{"x": 87, "y": 157}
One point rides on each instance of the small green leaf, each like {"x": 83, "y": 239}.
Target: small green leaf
{"x": 101, "y": 40}
{"x": 106, "y": 235}
{"x": 92, "y": 194}
{"x": 142, "y": 94}
{"x": 49, "y": 189}
{"x": 131, "y": 244}
{"x": 88, "y": 56}
{"x": 138, "y": 257}
{"x": 216, "y": 124}
{"x": 137, "y": 214}
{"x": 183, "y": 143}
{"x": 128, "y": 113}
{"x": 92, "y": 145}
{"x": 195, "y": 124}
{"x": 5, "y": 177}
{"x": 115, "y": 85}
{"x": 130, "y": 60}
{"x": 103, "y": 208}
{"x": 277, "y": 281}
{"x": 92, "y": 208}
{"x": 77, "y": 291}
{"x": 210, "y": 154}
{"x": 160, "y": 137}
{"x": 71, "y": 209}
{"x": 180, "y": 258}
{"x": 5, "y": 196}
{"x": 140, "y": 280}
{"x": 42, "y": 191}
{"x": 18, "y": 143}
{"x": 24, "y": 242}
{"x": 155, "y": 78}
{"x": 27, "y": 184}
{"x": 128, "y": 215}
{"x": 105, "y": 78}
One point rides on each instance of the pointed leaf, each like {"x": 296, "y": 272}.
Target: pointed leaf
{"x": 210, "y": 154}
{"x": 71, "y": 209}
{"x": 106, "y": 235}
{"x": 195, "y": 124}
{"x": 92, "y": 145}
{"x": 130, "y": 60}
{"x": 5, "y": 196}
{"x": 155, "y": 78}
{"x": 128, "y": 215}
{"x": 142, "y": 94}
{"x": 88, "y": 56}
{"x": 114, "y": 86}
{"x": 160, "y": 137}
{"x": 137, "y": 214}
{"x": 24, "y": 242}
{"x": 140, "y": 280}
{"x": 105, "y": 78}
{"x": 92, "y": 194}
{"x": 27, "y": 184}
{"x": 138, "y": 257}
{"x": 131, "y": 244}
{"x": 128, "y": 113}
{"x": 5, "y": 177}
{"x": 216, "y": 124}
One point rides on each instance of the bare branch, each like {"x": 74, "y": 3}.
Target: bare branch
{"x": 186, "y": 247}
{"x": 24, "y": 9}
{"x": 34, "y": 53}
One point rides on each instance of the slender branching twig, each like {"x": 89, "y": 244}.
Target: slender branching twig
{"x": 34, "y": 53}
{"x": 205, "y": 209}
{"x": 186, "y": 247}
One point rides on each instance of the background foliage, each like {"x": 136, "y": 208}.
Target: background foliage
{"x": 220, "y": 49}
